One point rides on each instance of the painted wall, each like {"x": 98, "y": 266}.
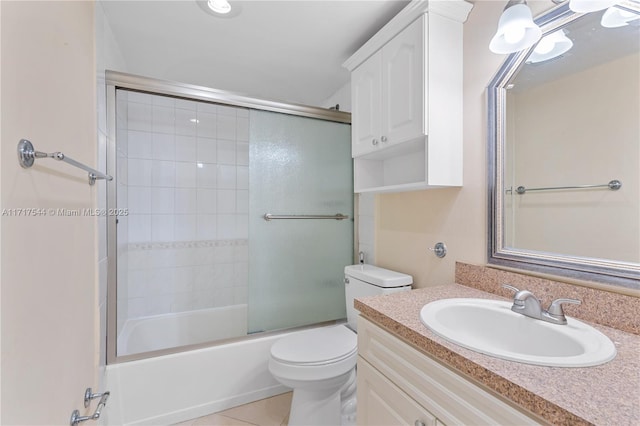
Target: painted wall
{"x": 49, "y": 274}
{"x": 408, "y": 224}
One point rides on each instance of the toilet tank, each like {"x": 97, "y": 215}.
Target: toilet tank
{"x": 368, "y": 280}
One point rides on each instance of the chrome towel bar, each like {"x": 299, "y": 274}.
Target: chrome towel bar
{"x": 613, "y": 185}
{"x": 338, "y": 216}
{"x": 76, "y": 418}
{"x": 27, "y": 156}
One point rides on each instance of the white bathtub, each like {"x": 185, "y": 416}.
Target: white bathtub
{"x": 180, "y": 329}
{"x": 174, "y": 388}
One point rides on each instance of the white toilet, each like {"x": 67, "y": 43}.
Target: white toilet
{"x": 320, "y": 364}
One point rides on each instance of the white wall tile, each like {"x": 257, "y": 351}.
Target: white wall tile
{"x": 206, "y": 125}
{"x": 207, "y": 201}
{"x": 139, "y": 117}
{"x": 139, "y": 172}
{"x": 227, "y": 127}
{"x": 242, "y": 226}
{"x": 185, "y": 201}
{"x": 226, "y": 201}
{"x": 139, "y": 144}
{"x": 207, "y": 227}
{"x": 242, "y": 153}
{"x": 207, "y": 107}
{"x": 226, "y": 152}
{"x": 166, "y": 101}
{"x": 137, "y": 97}
{"x": 163, "y": 119}
{"x": 242, "y": 202}
{"x": 226, "y": 177}
{"x": 139, "y": 200}
{"x": 185, "y": 122}
{"x": 186, "y": 227}
{"x": 163, "y": 147}
{"x": 186, "y": 175}
{"x": 139, "y": 228}
{"x": 185, "y": 104}
{"x": 206, "y": 175}
{"x": 162, "y": 227}
{"x": 242, "y": 129}
{"x": 206, "y": 150}
{"x": 185, "y": 148}
{"x": 162, "y": 201}
{"x": 242, "y": 173}
{"x": 163, "y": 173}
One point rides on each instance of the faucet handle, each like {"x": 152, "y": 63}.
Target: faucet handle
{"x": 555, "y": 308}
{"x": 510, "y": 287}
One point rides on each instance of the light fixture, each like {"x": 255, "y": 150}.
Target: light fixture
{"x": 615, "y": 17}
{"x": 516, "y": 29}
{"x": 586, "y": 6}
{"x": 219, "y": 6}
{"x": 550, "y": 46}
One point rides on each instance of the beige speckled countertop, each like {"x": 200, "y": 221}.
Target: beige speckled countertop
{"x": 608, "y": 394}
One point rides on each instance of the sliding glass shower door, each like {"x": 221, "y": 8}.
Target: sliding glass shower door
{"x": 194, "y": 261}
{"x": 299, "y": 167}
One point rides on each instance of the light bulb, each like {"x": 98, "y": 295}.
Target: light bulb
{"x": 587, "y": 6}
{"x": 513, "y": 34}
{"x": 545, "y": 46}
{"x": 219, "y": 6}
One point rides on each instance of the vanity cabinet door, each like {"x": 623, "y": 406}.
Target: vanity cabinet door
{"x": 435, "y": 388}
{"x": 366, "y": 94}
{"x": 380, "y": 402}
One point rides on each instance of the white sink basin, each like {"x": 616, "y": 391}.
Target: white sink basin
{"x": 491, "y": 328}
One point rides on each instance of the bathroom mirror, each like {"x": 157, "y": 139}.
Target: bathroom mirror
{"x": 564, "y": 150}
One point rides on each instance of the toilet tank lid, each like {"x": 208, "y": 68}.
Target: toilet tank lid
{"x": 378, "y": 276}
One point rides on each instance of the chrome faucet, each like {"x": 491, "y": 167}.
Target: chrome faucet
{"x": 525, "y": 303}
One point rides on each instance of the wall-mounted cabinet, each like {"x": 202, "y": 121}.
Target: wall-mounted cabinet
{"x": 406, "y": 85}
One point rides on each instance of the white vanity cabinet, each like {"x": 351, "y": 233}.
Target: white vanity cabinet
{"x": 406, "y": 89}
{"x": 398, "y": 384}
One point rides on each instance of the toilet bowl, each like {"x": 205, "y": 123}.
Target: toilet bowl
{"x": 320, "y": 364}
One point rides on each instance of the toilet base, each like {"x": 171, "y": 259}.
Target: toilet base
{"x": 328, "y": 406}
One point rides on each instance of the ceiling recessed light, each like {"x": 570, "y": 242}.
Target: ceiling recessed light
{"x": 220, "y": 8}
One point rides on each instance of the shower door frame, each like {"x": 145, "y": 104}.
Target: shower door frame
{"x": 117, "y": 80}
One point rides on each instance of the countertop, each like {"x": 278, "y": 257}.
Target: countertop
{"x": 603, "y": 395}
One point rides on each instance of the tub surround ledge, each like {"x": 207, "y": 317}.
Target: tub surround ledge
{"x": 601, "y": 395}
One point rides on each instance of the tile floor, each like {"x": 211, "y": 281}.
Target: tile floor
{"x": 272, "y": 411}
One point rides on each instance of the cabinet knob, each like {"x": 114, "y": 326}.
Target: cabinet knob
{"x": 374, "y": 142}
{"x": 383, "y": 139}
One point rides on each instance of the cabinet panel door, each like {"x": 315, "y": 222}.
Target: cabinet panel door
{"x": 403, "y": 83}
{"x": 366, "y": 95}
{"x": 380, "y": 402}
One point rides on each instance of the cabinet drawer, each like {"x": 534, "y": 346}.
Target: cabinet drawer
{"x": 447, "y": 395}
{"x": 380, "y": 402}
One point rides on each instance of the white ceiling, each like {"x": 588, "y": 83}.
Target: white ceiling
{"x": 278, "y": 50}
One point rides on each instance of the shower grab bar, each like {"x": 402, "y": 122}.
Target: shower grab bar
{"x": 613, "y": 185}
{"x": 338, "y": 216}
{"x": 27, "y": 156}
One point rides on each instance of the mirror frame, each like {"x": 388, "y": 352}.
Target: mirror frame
{"x": 604, "y": 271}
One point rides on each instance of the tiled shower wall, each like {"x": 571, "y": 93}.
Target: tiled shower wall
{"x": 184, "y": 178}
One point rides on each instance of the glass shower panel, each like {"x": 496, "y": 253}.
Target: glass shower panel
{"x": 299, "y": 166}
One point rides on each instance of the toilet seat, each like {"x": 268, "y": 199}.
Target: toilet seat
{"x": 316, "y": 347}
{"x": 317, "y": 354}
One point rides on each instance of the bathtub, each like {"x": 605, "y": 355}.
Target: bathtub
{"x": 174, "y": 388}
{"x": 180, "y": 329}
